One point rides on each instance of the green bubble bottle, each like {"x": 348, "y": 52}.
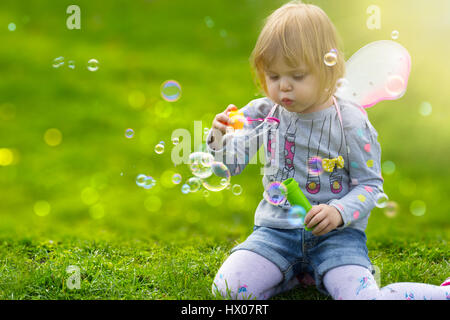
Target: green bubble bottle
{"x": 295, "y": 196}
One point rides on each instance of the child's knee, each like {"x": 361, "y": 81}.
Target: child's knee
{"x": 230, "y": 287}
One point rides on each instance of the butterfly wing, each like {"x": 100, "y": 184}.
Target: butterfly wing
{"x": 378, "y": 71}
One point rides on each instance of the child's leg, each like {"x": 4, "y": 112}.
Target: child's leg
{"x": 353, "y": 282}
{"x": 247, "y": 275}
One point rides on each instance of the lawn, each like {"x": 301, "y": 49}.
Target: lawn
{"x": 70, "y": 199}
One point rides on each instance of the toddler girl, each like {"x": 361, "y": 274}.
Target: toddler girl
{"x": 330, "y": 148}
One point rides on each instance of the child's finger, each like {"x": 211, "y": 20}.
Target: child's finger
{"x": 311, "y": 213}
{"x": 230, "y": 107}
{"x": 318, "y": 217}
{"x": 219, "y": 126}
{"x": 321, "y": 227}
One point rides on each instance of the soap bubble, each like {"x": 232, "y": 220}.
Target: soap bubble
{"x": 275, "y": 193}
{"x": 395, "y": 34}
{"x": 425, "y": 109}
{"x": 219, "y": 178}
{"x": 58, "y": 62}
{"x": 144, "y": 181}
{"x": 175, "y": 141}
{"x": 296, "y": 216}
{"x": 140, "y": 180}
{"x": 176, "y": 178}
{"x": 129, "y": 133}
{"x": 395, "y": 85}
{"x": 171, "y": 90}
{"x": 185, "y": 189}
{"x": 194, "y": 184}
{"x": 92, "y": 65}
{"x": 418, "y": 208}
{"x": 330, "y": 58}
{"x": 159, "y": 148}
{"x": 236, "y": 189}
{"x": 136, "y": 99}
{"x": 200, "y": 164}
{"x": 209, "y": 22}
{"x": 315, "y": 166}
{"x": 381, "y": 200}
{"x": 42, "y": 208}
{"x": 391, "y": 209}
{"x": 149, "y": 183}
{"x": 388, "y": 167}
{"x": 53, "y": 137}
{"x": 12, "y": 26}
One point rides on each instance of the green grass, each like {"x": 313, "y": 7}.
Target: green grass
{"x": 160, "y": 243}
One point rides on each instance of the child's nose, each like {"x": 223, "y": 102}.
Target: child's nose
{"x": 285, "y": 85}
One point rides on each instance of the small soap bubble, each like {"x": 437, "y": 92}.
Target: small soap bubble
{"x": 176, "y": 178}
{"x": 58, "y": 62}
{"x": 296, "y": 216}
{"x": 149, "y": 183}
{"x": 171, "y": 90}
{"x": 418, "y": 208}
{"x": 315, "y": 166}
{"x": 92, "y": 65}
{"x": 330, "y": 58}
{"x": 136, "y": 99}
{"x": 71, "y": 64}
{"x": 12, "y": 26}
{"x": 194, "y": 184}
{"x": 53, "y": 137}
{"x": 381, "y": 200}
{"x": 6, "y": 157}
{"x": 275, "y": 193}
{"x": 391, "y": 209}
{"x": 209, "y": 22}
{"x": 236, "y": 189}
{"x": 129, "y": 133}
{"x": 395, "y": 34}
{"x": 42, "y": 208}
{"x": 140, "y": 180}
{"x": 425, "y": 109}
{"x": 185, "y": 189}
{"x": 159, "y": 148}
{"x": 175, "y": 141}
{"x": 388, "y": 167}
{"x": 395, "y": 85}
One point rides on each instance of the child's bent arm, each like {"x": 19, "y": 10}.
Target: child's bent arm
{"x": 237, "y": 151}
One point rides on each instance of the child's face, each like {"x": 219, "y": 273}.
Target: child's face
{"x": 296, "y": 89}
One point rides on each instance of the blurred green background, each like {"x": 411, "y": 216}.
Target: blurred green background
{"x": 85, "y": 185}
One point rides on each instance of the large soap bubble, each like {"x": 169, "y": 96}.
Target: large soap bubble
{"x": 200, "y": 164}
{"x": 379, "y": 71}
{"x": 219, "y": 178}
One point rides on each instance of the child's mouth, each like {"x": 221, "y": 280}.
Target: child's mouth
{"x": 287, "y": 102}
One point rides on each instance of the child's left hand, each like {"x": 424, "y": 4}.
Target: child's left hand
{"x": 323, "y": 218}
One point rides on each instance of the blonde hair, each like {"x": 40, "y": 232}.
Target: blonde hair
{"x": 302, "y": 33}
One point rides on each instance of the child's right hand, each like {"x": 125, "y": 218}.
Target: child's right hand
{"x": 221, "y": 120}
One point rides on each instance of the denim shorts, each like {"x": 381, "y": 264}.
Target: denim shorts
{"x": 297, "y": 251}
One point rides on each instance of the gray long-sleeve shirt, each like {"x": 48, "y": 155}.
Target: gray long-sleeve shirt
{"x": 335, "y": 164}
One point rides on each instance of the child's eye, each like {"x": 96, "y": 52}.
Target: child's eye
{"x": 299, "y": 76}
{"x": 273, "y": 78}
